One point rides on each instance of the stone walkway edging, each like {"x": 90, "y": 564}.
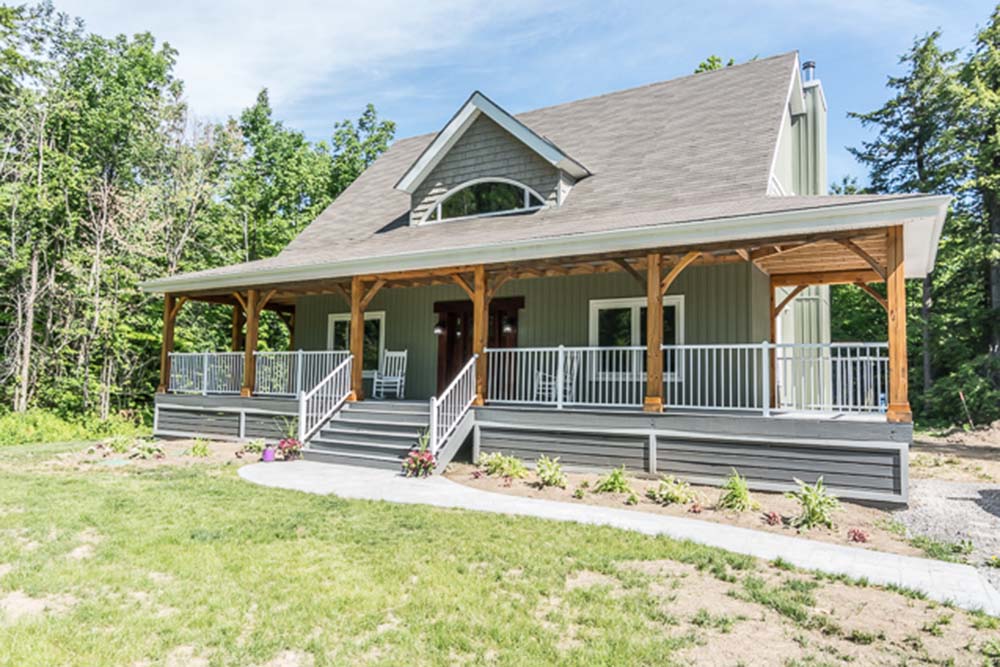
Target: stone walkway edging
{"x": 941, "y": 581}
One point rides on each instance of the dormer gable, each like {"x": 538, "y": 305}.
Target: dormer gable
{"x": 486, "y": 162}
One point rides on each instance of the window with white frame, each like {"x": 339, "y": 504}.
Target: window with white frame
{"x": 484, "y": 197}
{"x": 622, "y": 323}
{"x": 338, "y": 337}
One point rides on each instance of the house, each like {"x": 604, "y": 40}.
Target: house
{"x": 638, "y": 278}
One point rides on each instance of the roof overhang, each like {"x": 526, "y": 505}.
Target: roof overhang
{"x": 922, "y": 217}
{"x": 477, "y": 105}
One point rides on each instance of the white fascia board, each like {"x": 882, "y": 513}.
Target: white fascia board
{"x": 461, "y": 122}
{"x": 922, "y": 217}
{"x": 796, "y": 98}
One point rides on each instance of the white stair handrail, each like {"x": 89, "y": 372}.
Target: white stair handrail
{"x": 448, "y": 409}
{"x": 321, "y": 402}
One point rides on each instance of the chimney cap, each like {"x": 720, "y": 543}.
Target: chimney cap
{"x": 809, "y": 69}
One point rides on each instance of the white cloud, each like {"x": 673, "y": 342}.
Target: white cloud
{"x": 229, "y": 49}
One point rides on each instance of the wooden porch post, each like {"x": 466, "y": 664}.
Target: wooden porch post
{"x": 654, "y": 335}
{"x": 167, "y": 343}
{"x": 237, "y": 332}
{"x": 357, "y": 336}
{"x": 249, "y": 363}
{"x": 480, "y": 325}
{"x": 899, "y": 402}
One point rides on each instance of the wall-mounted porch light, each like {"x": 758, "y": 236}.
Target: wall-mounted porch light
{"x": 439, "y": 329}
{"x": 508, "y": 325}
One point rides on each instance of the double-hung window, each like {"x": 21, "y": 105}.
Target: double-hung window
{"x": 622, "y": 323}
{"x": 338, "y": 337}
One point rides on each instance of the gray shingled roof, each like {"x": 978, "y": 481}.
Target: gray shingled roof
{"x": 694, "y": 148}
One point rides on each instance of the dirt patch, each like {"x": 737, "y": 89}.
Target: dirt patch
{"x": 17, "y": 605}
{"x": 871, "y": 521}
{"x": 153, "y": 454}
{"x": 186, "y": 656}
{"x": 291, "y": 659}
{"x": 835, "y": 623}
{"x": 958, "y": 455}
{"x": 5, "y": 569}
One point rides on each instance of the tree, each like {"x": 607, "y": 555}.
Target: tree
{"x": 914, "y": 150}
{"x": 712, "y": 63}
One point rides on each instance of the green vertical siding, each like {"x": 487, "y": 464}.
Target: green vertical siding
{"x": 725, "y": 303}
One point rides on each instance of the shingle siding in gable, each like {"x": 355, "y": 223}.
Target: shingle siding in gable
{"x": 485, "y": 150}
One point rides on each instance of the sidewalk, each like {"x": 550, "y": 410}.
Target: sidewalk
{"x": 941, "y": 581}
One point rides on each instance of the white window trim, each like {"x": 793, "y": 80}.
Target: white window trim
{"x": 346, "y": 317}
{"x": 636, "y": 304}
{"x": 436, "y": 207}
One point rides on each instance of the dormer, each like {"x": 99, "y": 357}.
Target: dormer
{"x": 487, "y": 163}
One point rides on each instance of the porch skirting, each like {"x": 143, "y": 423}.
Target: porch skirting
{"x": 858, "y": 459}
{"x": 223, "y": 417}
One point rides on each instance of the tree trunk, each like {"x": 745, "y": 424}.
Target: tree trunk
{"x": 28, "y": 336}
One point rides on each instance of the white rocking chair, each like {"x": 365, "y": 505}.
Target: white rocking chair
{"x": 391, "y": 375}
{"x": 546, "y": 384}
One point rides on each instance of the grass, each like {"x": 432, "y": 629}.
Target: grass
{"x": 193, "y": 556}
{"x": 952, "y": 552}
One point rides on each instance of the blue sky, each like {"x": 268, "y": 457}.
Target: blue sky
{"x": 417, "y": 62}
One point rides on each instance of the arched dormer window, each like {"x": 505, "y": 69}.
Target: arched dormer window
{"x": 484, "y": 197}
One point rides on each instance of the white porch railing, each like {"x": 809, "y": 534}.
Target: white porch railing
{"x": 206, "y": 372}
{"x": 290, "y": 373}
{"x": 832, "y": 377}
{"x": 448, "y": 409}
{"x": 567, "y": 376}
{"x": 322, "y": 401}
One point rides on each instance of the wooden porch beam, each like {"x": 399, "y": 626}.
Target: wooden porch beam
{"x": 629, "y": 269}
{"x": 480, "y": 326}
{"x": 460, "y": 281}
{"x": 787, "y": 300}
{"x": 357, "y": 338}
{"x": 263, "y": 301}
{"x": 824, "y": 278}
{"x": 498, "y": 282}
{"x": 653, "y": 401}
{"x": 237, "y": 332}
{"x": 339, "y": 290}
{"x": 372, "y": 291}
{"x": 873, "y": 294}
{"x": 899, "y": 402}
{"x": 676, "y": 270}
{"x": 863, "y": 254}
{"x": 743, "y": 253}
{"x": 249, "y": 363}
{"x": 170, "y": 308}
{"x": 240, "y": 300}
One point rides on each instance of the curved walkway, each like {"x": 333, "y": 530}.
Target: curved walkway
{"x": 960, "y": 584}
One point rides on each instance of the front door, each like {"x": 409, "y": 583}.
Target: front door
{"x": 455, "y": 333}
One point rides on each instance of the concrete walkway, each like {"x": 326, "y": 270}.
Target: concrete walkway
{"x": 960, "y": 584}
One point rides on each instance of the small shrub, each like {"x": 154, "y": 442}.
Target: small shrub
{"x": 614, "y": 482}
{"x": 550, "y": 472}
{"x": 290, "y": 448}
{"x": 736, "y": 494}
{"x": 632, "y": 499}
{"x": 772, "y": 518}
{"x": 671, "y": 490}
{"x": 120, "y": 444}
{"x": 816, "y": 503}
{"x": 146, "y": 450}
{"x": 254, "y": 447}
{"x": 857, "y": 535}
{"x": 497, "y": 465}
{"x": 993, "y": 561}
{"x": 696, "y": 508}
{"x": 200, "y": 448}
{"x": 578, "y": 494}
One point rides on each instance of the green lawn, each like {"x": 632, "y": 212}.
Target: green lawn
{"x": 175, "y": 564}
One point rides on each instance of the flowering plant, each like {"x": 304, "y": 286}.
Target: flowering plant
{"x": 419, "y": 462}
{"x": 290, "y": 448}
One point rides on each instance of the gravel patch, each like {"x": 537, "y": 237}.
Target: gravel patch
{"x": 955, "y": 511}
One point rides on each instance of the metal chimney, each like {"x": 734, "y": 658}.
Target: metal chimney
{"x": 809, "y": 70}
